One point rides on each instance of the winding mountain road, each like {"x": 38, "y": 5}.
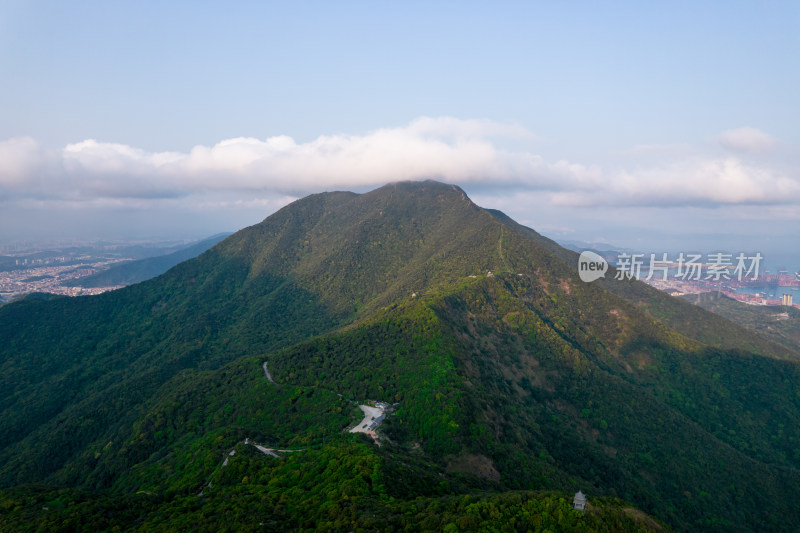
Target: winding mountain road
{"x": 266, "y": 373}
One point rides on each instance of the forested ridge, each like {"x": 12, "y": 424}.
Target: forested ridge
{"x": 515, "y": 385}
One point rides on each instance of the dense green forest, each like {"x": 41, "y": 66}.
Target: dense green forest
{"x": 513, "y": 385}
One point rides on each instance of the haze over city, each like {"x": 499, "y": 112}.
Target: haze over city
{"x": 667, "y": 127}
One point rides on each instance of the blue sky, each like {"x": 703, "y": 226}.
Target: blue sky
{"x": 669, "y": 126}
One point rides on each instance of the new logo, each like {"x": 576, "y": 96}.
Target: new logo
{"x": 591, "y": 266}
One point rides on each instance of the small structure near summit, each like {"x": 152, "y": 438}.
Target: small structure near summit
{"x": 579, "y": 501}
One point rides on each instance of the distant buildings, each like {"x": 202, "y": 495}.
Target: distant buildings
{"x": 786, "y": 299}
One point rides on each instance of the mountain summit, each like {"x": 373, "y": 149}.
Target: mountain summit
{"x": 222, "y": 391}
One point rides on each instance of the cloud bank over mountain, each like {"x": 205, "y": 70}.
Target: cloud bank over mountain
{"x": 466, "y": 152}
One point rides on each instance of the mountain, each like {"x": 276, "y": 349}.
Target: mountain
{"x": 511, "y": 385}
{"x": 579, "y": 246}
{"x": 150, "y": 267}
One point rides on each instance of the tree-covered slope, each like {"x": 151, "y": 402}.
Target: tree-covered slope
{"x": 695, "y": 322}
{"x": 74, "y": 370}
{"x": 190, "y": 460}
{"x": 515, "y": 384}
{"x": 550, "y": 403}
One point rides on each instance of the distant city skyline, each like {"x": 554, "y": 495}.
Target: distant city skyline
{"x": 656, "y": 127}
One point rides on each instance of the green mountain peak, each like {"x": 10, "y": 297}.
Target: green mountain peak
{"x": 221, "y": 393}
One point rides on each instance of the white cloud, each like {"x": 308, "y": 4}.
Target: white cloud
{"x": 468, "y": 152}
{"x": 697, "y": 181}
{"x": 21, "y": 159}
{"x": 445, "y": 148}
{"x": 748, "y": 140}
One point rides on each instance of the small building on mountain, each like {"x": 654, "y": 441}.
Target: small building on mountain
{"x": 579, "y": 501}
